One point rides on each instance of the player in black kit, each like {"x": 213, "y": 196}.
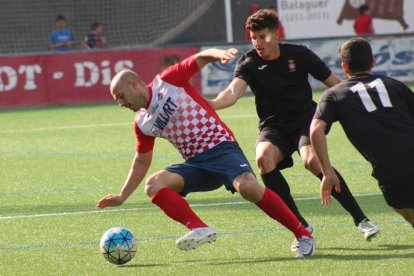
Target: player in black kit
{"x": 377, "y": 115}
{"x": 278, "y": 77}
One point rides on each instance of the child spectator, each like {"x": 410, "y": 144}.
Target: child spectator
{"x": 94, "y": 39}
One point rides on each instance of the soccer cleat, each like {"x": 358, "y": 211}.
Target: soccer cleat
{"x": 196, "y": 237}
{"x": 307, "y": 247}
{"x": 295, "y": 244}
{"x": 368, "y": 229}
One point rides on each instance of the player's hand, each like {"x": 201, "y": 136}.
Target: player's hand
{"x": 228, "y": 55}
{"x": 329, "y": 181}
{"x": 110, "y": 201}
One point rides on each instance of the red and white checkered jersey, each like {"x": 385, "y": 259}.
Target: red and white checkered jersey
{"x": 178, "y": 113}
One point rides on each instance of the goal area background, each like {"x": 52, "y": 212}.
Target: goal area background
{"x": 26, "y": 24}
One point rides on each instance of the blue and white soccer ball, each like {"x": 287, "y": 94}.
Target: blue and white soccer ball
{"x": 118, "y": 245}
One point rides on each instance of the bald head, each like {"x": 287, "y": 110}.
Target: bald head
{"x": 129, "y": 90}
{"x": 123, "y": 79}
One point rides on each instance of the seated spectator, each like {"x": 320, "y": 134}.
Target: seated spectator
{"x": 363, "y": 22}
{"x": 94, "y": 39}
{"x": 62, "y": 38}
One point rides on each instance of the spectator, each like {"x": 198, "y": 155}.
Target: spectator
{"x": 363, "y": 22}
{"x": 62, "y": 38}
{"x": 253, "y": 8}
{"x": 281, "y": 31}
{"x": 280, "y": 28}
{"x": 94, "y": 39}
{"x": 168, "y": 60}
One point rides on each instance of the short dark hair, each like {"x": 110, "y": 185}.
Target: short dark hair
{"x": 263, "y": 18}
{"x": 356, "y": 53}
{"x": 169, "y": 60}
{"x": 363, "y": 8}
{"x": 60, "y": 17}
{"x": 95, "y": 25}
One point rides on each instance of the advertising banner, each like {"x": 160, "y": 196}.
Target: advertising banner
{"x": 394, "y": 57}
{"x": 75, "y": 77}
{"x": 335, "y": 18}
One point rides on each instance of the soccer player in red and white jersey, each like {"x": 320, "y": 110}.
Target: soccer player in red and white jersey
{"x": 171, "y": 108}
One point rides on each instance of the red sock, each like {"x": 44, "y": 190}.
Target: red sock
{"x": 273, "y": 205}
{"x": 177, "y": 208}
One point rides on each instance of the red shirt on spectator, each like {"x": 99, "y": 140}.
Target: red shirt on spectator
{"x": 281, "y": 31}
{"x": 363, "y": 25}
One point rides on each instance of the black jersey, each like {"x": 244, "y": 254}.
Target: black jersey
{"x": 281, "y": 86}
{"x": 377, "y": 115}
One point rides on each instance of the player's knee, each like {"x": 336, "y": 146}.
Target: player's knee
{"x": 151, "y": 186}
{"x": 265, "y": 163}
{"x": 248, "y": 187}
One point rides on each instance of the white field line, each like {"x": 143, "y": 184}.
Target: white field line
{"x": 99, "y": 125}
{"x": 63, "y": 127}
{"x": 148, "y": 208}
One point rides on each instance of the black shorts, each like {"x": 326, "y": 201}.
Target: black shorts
{"x": 288, "y": 138}
{"x": 397, "y": 186}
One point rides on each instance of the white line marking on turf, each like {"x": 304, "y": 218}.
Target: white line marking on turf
{"x": 64, "y": 127}
{"x": 100, "y": 125}
{"x": 148, "y": 208}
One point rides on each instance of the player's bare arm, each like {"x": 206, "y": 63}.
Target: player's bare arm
{"x": 211, "y": 55}
{"x": 319, "y": 144}
{"x": 230, "y": 95}
{"x": 139, "y": 168}
{"x": 332, "y": 80}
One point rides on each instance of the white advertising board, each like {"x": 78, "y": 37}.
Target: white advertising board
{"x": 334, "y": 18}
{"x": 394, "y": 57}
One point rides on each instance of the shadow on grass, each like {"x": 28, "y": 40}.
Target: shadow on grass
{"x": 394, "y": 254}
{"x": 388, "y": 251}
{"x": 368, "y": 257}
{"x": 143, "y": 265}
{"x": 357, "y": 257}
{"x": 381, "y": 247}
{"x": 221, "y": 261}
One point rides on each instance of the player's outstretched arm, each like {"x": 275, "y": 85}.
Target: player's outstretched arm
{"x": 319, "y": 144}
{"x": 139, "y": 168}
{"x": 211, "y": 55}
{"x": 230, "y": 95}
{"x": 332, "y": 80}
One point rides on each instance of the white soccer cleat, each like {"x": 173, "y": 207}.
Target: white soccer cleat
{"x": 196, "y": 237}
{"x": 307, "y": 247}
{"x": 368, "y": 229}
{"x": 295, "y": 244}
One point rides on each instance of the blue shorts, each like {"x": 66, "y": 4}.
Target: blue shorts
{"x": 211, "y": 169}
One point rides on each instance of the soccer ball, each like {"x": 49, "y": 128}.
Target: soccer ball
{"x": 118, "y": 245}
